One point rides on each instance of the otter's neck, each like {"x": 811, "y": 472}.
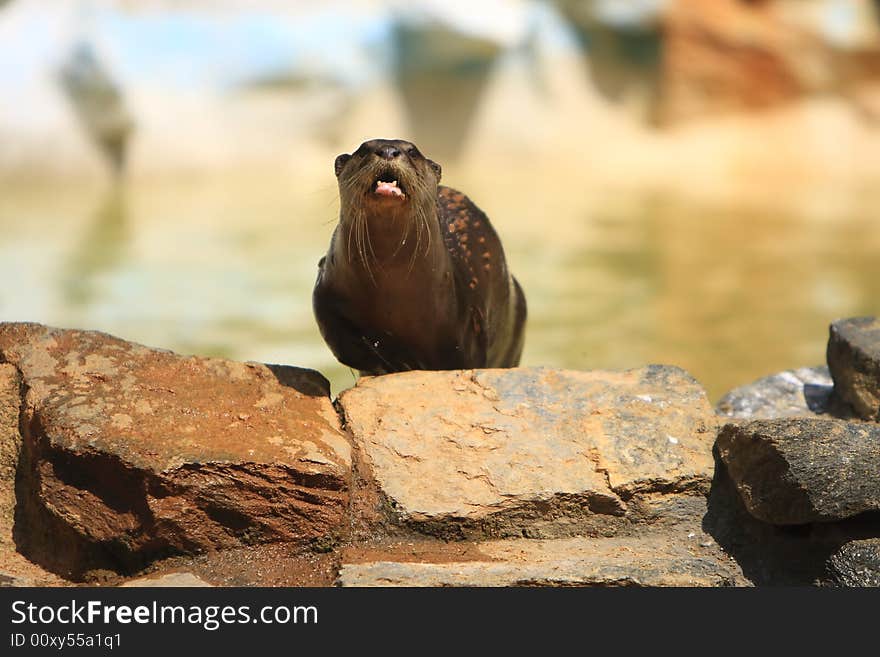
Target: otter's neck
{"x": 387, "y": 240}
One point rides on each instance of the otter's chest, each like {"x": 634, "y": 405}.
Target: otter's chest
{"x": 416, "y": 307}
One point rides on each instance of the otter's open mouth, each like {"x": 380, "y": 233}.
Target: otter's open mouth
{"x": 388, "y": 187}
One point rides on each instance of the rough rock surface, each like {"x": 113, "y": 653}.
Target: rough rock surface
{"x": 802, "y": 392}
{"x": 534, "y": 452}
{"x": 653, "y": 560}
{"x": 10, "y": 447}
{"x": 171, "y": 579}
{"x": 854, "y": 361}
{"x": 15, "y": 570}
{"x": 801, "y": 470}
{"x": 131, "y": 452}
{"x": 856, "y": 563}
{"x": 777, "y": 555}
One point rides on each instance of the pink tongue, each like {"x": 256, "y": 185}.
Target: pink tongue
{"x": 388, "y": 189}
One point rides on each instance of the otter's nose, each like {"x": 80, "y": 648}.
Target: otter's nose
{"x": 388, "y": 152}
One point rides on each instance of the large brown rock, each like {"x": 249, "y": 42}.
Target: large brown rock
{"x": 534, "y": 452}
{"x": 854, "y": 360}
{"x": 131, "y": 452}
{"x": 800, "y": 470}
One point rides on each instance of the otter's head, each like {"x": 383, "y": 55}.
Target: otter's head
{"x": 384, "y": 176}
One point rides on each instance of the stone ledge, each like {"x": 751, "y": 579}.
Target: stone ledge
{"x": 657, "y": 559}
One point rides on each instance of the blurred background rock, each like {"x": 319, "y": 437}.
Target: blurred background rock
{"x": 686, "y": 181}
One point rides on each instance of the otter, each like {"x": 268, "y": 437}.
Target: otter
{"x": 415, "y": 277}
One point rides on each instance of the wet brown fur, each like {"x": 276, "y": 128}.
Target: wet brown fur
{"x": 419, "y": 283}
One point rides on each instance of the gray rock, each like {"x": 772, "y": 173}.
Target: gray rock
{"x": 688, "y": 559}
{"x": 854, "y": 361}
{"x": 856, "y": 563}
{"x": 535, "y": 452}
{"x": 804, "y": 392}
{"x": 800, "y": 470}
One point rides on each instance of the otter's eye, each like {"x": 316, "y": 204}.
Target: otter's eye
{"x": 412, "y": 150}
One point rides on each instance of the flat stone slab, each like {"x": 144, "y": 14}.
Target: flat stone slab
{"x": 686, "y": 559}
{"x": 131, "y": 452}
{"x": 536, "y": 452}
{"x": 798, "y": 470}
{"x": 856, "y": 563}
{"x": 854, "y": 360}
{"x": 175, "y": 580}
{"x": 803, "y": 392}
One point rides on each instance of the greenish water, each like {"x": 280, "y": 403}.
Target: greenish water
{"x": 225, "y": 267}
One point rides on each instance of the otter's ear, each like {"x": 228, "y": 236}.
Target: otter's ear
{"x": 436, "y": 168}
{"x": 340, "y": 162}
